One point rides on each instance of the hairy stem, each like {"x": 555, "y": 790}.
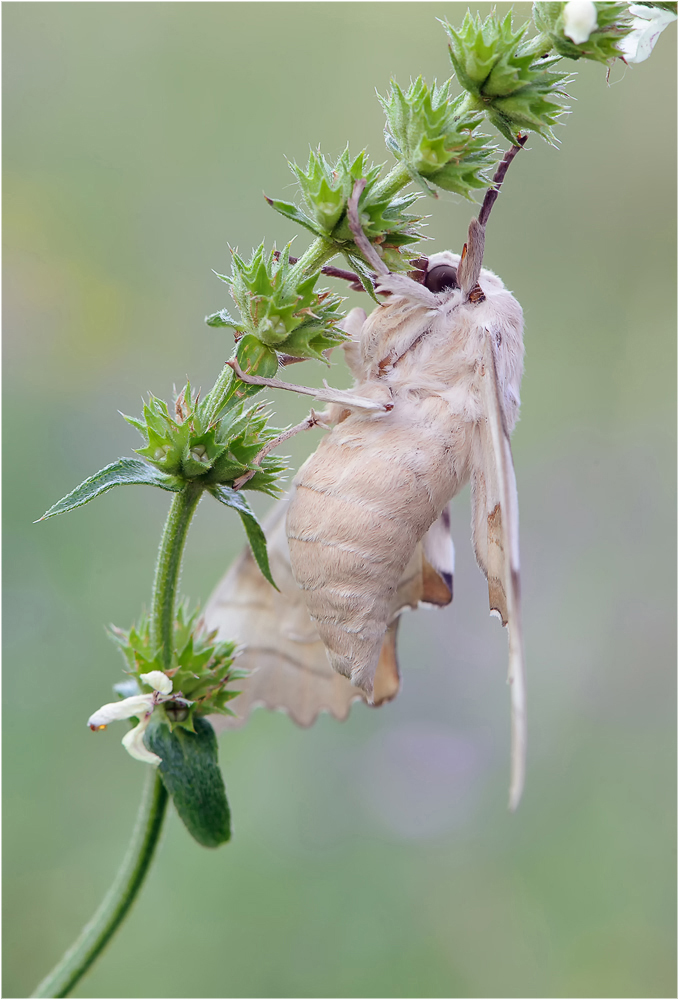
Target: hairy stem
{"x": 168, "y": 566}
{"x": 397, "y": 178}
{"x": 313, "y": 259}
{"x": 217, "y": 396}
{"x": 103, "y": 925}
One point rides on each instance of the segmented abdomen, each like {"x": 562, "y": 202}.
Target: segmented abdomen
{"x": 362, "y": 502}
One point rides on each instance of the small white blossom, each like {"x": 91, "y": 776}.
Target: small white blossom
{"x": 139, "y": 705}
{"x": 114, "y": 711}
{"x": 647, "y": 25}
{"x": 158, "y": 681}
{"x": 580, "y": 20}
{"x": 133, "y": 741}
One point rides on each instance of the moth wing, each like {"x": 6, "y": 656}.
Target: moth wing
{"x": 495, "y": 530}
{"x": 285, "y": 660}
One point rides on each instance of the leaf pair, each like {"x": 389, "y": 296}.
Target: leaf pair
{"x": 136, "y": 472}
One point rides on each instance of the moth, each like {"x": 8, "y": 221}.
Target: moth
{"x": 365, "y": 533}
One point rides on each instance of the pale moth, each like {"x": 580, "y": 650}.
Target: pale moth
{"x": 364, "y": 533}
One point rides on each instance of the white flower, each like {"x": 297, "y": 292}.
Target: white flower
{"x": 647, "y": 25}
{"x": 158, "y": 681}
{"x": 139, "y": 705}
{"x": 580, "y": 19}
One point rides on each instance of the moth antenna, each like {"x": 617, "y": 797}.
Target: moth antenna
{"x": 362, "y": 241}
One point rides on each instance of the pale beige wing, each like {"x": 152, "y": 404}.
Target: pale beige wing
{"x": 286, "y": 662}
{"x": 495, "y": 530}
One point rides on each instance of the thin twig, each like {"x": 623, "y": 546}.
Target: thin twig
{"x": 471, "y": 258}
{"x": 494, "y": 190}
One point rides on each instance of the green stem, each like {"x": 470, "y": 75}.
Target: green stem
{"x": 97, "y": 933}
{"x": 217, "y": 396}
{"x": 397, "y": 178}
{"x": 313, "y": 258}
{"x": 537, "y": 47}
{"x": 167, "y": 568}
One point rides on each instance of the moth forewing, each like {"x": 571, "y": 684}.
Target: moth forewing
{"x": 503, "y": 539}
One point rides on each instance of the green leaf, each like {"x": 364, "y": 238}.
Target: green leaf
{"x": 124, "y": 472}
{"x": 253, "y": 529}
{"x": 221, "y": 318}
{"x": 293, "y": 213}
{"x": 364, "y": 274}
{"x": 190, "y": 771}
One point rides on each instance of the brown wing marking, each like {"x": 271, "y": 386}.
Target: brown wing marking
{"x": 438, "y": 563}
{"x": 497, "y": 598}
{"x": 387, "y": 676}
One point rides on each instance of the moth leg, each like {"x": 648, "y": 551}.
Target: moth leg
{"x": 503, "y": 543}
{"x": 328, "y": 395}
{"x": 313, "y": 420}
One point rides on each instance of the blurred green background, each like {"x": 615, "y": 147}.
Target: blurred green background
{"x": 374, "y": 858}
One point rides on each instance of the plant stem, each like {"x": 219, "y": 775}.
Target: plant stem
{"x": 397, "y": 178}
{"x": 313, "y": 259}
{"x": 217, "y": 396}
{"x": 97, "y": 933}
{"x": 167, "y": 568}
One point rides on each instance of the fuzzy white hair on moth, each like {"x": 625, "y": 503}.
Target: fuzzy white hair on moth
{"x": 364, "y": 533}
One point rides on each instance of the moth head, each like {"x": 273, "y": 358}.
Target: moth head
{"x": 441, "y": 274}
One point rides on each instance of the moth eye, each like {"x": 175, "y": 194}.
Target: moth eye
{"x": 441, "y": 277}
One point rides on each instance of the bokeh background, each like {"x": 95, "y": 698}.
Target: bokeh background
{"x": 374, "y": 858}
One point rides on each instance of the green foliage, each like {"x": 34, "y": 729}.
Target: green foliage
{"x": 190, "y": 771}
{"x": 613, "y": 23}
{"x": 326, "y": 188}
{"x": 123, "y": 472}
{"x": 280, "y": 309}
{"x": 253, "y": 529}
{"x": 508, "y": 84}
{"x": 433, "y": 137}
{"x": 201, "y": 667}
{"x": 185, "y": 445}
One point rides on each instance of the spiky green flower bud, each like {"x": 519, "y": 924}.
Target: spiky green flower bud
{"x": 580, "y": 30}
{"x": 503, "y": 79}
{"x": 281, "y": 312}
{"x": 182, "y": 445}
{"x": 200, "y": 672}
{"x": 430, "y": 134}
{"x": 326, "y": 189}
